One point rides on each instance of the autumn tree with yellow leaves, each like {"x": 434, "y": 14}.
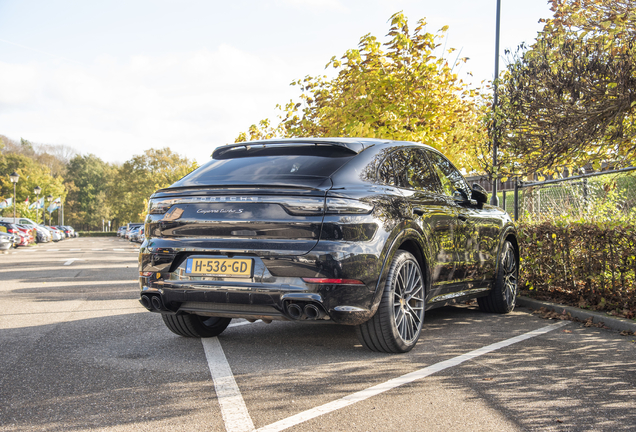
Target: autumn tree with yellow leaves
{"x": 400, "y": 90}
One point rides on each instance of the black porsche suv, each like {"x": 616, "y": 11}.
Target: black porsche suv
{"x": 361, "y": 232}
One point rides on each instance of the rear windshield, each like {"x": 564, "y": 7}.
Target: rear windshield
{"x": 262, "y": 167}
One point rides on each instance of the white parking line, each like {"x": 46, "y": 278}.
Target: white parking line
{"x": 404, "y": 379}
{"x": 52, "y": 250}
{"x": 233, "y": 408}
{"x": 119, "y": 250}
{"x": 237, "y": 418}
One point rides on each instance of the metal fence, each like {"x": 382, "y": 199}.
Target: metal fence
{"x": 604, "y": 195}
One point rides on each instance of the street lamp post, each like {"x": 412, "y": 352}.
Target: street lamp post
{"x": 494, "y": 199}
{"x": 49, "y": 198}
{"x": 37, "y": 191}
{"x": 14, "y": 179}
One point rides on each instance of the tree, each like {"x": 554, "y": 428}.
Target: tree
{"x": 87, "y": 177}
{"x": 398, "y": 90}
{"x": 570, "y": 98}
{"x": 32, "y": 174}
{"x": 141, "y": 176}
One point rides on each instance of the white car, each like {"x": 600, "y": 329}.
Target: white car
{"x": 6, "y": 241}
{"x": 43, "y": 235}
{"x": 55, "y": 234}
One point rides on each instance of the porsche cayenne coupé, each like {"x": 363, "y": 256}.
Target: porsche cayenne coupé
{"x": 363, "y": 232}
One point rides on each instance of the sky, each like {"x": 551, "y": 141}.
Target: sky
{"x": 114, "y": 78}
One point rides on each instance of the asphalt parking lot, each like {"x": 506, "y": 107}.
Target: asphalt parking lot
{"x": 78, "y": 352}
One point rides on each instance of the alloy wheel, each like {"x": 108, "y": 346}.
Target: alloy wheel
{"x": 509, "y": 264}
{"x": 408, "y": 301}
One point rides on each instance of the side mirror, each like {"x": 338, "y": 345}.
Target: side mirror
{"x": 479, "y": 194}
{"x": 460, "y": 196}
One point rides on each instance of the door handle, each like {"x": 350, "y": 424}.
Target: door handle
{"x": 418, "y": 211}
{"x": 462, "y": 218}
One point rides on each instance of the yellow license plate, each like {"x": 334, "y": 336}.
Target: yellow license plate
{"x": 219, "y": 267}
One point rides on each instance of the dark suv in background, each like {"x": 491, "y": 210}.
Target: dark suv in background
{"x": 359, "y": 232}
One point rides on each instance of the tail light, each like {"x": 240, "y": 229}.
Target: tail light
{"x": 347, "y": 206}
{"x": 305, "y": 206}
{"x": 331, "y": 281}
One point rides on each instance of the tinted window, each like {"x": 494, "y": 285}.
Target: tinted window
{"x": 420, "y": 175}
{"x": 450, "y": 178}
{"x": 393, "y": 169}
{"x": 273, "y": 166}
{"x": 409, "y": 168}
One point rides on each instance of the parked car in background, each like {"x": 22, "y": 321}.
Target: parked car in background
{"x": 42, "y": 234}
{"x": 8, "y": 227}
{"x": 129, "y": 227}
{"x": 70, "y": 232}
{"x": 25, "y": 236}
{"x": 353, "y": 231}
{"x": 19, "y": 220}
{"x": 30, "y": 232}
{"x": 121, "y": 231}
{"x": 55, "y": 233}
{"x": 11, "y": 229}
{"x": 6, "y": 241}
{"x": 141, "y": 236}
{"x": 63, "y": 230}
{"x": 134, "y": 233}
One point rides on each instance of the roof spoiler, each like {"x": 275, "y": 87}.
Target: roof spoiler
{"x": 228, "y": 151}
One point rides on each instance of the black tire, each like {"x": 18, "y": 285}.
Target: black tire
{"x": 397, "y": 324}
{"x": 503, "y": 295}
{"x": 195, "y": 326}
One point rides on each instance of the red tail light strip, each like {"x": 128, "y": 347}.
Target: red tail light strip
{"x": 333, "y": 281}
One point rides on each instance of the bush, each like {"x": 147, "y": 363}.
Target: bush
{"x": 582, "y": 263}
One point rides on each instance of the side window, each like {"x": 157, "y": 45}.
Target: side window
{"x": 393, "y": 169}
{"x": 420, "y": 175}
{"x": 450, "y": 178}
{"x": 385, "y": 173}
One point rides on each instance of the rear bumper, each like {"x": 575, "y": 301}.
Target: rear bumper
{"x": 341, "y": 304}
{"x": 276, "y": 291}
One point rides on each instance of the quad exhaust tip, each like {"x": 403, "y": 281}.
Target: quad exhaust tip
{"x": 313, "y": 312}
{"x": 152, "y": 303}
{"x": 309, "y": 311}
{"x": 156, "y": 303}
{"x": 294, "y": 311}
{"x": 145, "y": 302}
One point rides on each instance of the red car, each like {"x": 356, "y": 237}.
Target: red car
{"x": 26, "y": 234}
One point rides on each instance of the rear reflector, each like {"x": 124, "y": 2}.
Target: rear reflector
{"x": 333, "y": 281}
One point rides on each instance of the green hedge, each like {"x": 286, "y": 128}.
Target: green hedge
{"x": 587, "y": 264}
{"x": 97, "y": 234}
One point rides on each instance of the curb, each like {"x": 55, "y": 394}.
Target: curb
{"x": 614, "y": 323}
